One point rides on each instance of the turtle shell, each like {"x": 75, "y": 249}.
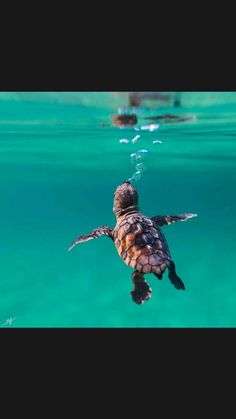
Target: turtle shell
{"x": 141, "y": 244}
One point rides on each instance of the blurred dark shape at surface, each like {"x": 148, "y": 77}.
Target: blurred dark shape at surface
{"x": 170, "y": 118}
{"x": 136, "y": 98}
{"x": 124, "y": 120}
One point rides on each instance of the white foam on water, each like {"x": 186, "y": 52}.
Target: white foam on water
{"x": 150, "y": 127}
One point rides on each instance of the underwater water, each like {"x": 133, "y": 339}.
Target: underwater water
{"x": 60, "y": 163}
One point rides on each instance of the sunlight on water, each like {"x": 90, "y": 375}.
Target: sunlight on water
{"x": 61, "y": 159}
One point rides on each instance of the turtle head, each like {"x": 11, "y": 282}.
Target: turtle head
{"x": 125, "y": 199}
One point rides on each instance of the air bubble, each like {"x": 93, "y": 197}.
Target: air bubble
{"x": 157, "y": 142}
{"x": 139, "y": 155}
{"x": 137, "y": 175}
{"x": 124, "y": 140}
{"x": 135, "y": 139}
{"x": 135, "y": 157}
{"x": 150, "y": 127}
{"x": 140, "y": 167}
{"x": 142, "y": 151}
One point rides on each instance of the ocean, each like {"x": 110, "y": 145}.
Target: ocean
{"x": 61, "y": 160}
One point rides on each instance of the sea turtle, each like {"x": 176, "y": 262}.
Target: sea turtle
{"x": 139, "y": 241}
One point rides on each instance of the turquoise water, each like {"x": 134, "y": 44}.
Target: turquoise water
{"x": 58, "y": 171}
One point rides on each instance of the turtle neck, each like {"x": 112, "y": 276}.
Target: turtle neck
{"x": 129, "y": 210}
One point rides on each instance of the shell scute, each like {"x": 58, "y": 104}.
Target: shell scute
{"x": 139, "y": 267}
{"x": 134, "y": 252}
{"x": 147, "y": 250}
{"x": 123, "y": 231}
{"x": 156, "y": 270}
{"x": 153, "y": 232}
{"x": 153, "y": 260}
{"x": 136, "y": 228}
{"x": 141, "y": 244}
{"x": 127, "y": 259}
{"x": 146, "y": 268}
{"x": 143, "y": 260}
{"x": 163, "y": 267}
{"x": 133, "y": 263}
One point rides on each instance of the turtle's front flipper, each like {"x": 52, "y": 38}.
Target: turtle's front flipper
{"x": 163, "y": 220}
{"x": 141, "y": 292}
{"x": 174, "y": 278}
{"x": 97, "y": 232}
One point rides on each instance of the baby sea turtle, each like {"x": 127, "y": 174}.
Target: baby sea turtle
{"x": 139, "y": 241}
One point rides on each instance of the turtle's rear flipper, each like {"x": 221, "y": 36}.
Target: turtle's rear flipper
{"x": 159, "y": 276}
{"x": 141, "y": 292}
{"x": 174, "y": 278}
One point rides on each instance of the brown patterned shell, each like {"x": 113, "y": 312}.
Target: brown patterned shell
{"x": 141, "y": 244}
